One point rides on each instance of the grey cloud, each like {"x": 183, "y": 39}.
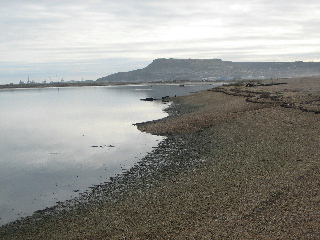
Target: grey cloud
{"x": 41, "y": 31}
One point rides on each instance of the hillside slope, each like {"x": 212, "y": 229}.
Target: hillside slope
{"x": 214, "y": 69}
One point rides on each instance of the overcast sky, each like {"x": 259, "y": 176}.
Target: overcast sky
{"x": 75, "y": 39}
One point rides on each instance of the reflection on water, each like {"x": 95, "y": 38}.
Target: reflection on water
{"x": 56, "y": 142}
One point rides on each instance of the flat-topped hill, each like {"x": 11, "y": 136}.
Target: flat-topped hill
{"x": 214, "y": 69}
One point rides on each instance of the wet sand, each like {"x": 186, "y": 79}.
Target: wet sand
{"x": 238, "y": 163}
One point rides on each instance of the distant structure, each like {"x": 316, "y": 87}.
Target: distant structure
{"x": 163, "y": 69}
{"x": 62, "y": 81}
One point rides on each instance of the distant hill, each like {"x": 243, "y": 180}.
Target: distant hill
{"x": 214, "y": 69}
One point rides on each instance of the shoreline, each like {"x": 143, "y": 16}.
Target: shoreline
{"x": 94, "y": 84}
{"x": 237, "y": 163}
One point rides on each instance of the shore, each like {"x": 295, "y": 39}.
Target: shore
{"x": 239, "y": 162}
{"x": 88, "y": 84}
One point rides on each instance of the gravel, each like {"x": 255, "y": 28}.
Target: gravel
{"x": 235, "y": 164}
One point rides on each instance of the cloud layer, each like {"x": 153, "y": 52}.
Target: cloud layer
{"x": 95, "y": 38}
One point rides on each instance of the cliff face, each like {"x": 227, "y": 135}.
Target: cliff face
{"x": 214, "y": 69}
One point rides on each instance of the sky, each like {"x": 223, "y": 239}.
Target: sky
{"x": 88, "y": 39}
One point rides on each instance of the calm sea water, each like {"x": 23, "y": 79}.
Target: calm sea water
{"x": 57, "y": 142}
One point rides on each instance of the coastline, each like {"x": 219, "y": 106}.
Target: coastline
{"x": 58, "y": 85}
{"x": 238, "y": 162}
{"x": 92, "y": 84}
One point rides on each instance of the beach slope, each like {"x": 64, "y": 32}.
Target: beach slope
{"x": 239, "y": 162}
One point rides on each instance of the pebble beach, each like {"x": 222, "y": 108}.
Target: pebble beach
{"x": 241, "y": 161}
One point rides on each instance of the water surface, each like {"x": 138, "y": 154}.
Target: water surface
{"x": 57, "y": 142}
